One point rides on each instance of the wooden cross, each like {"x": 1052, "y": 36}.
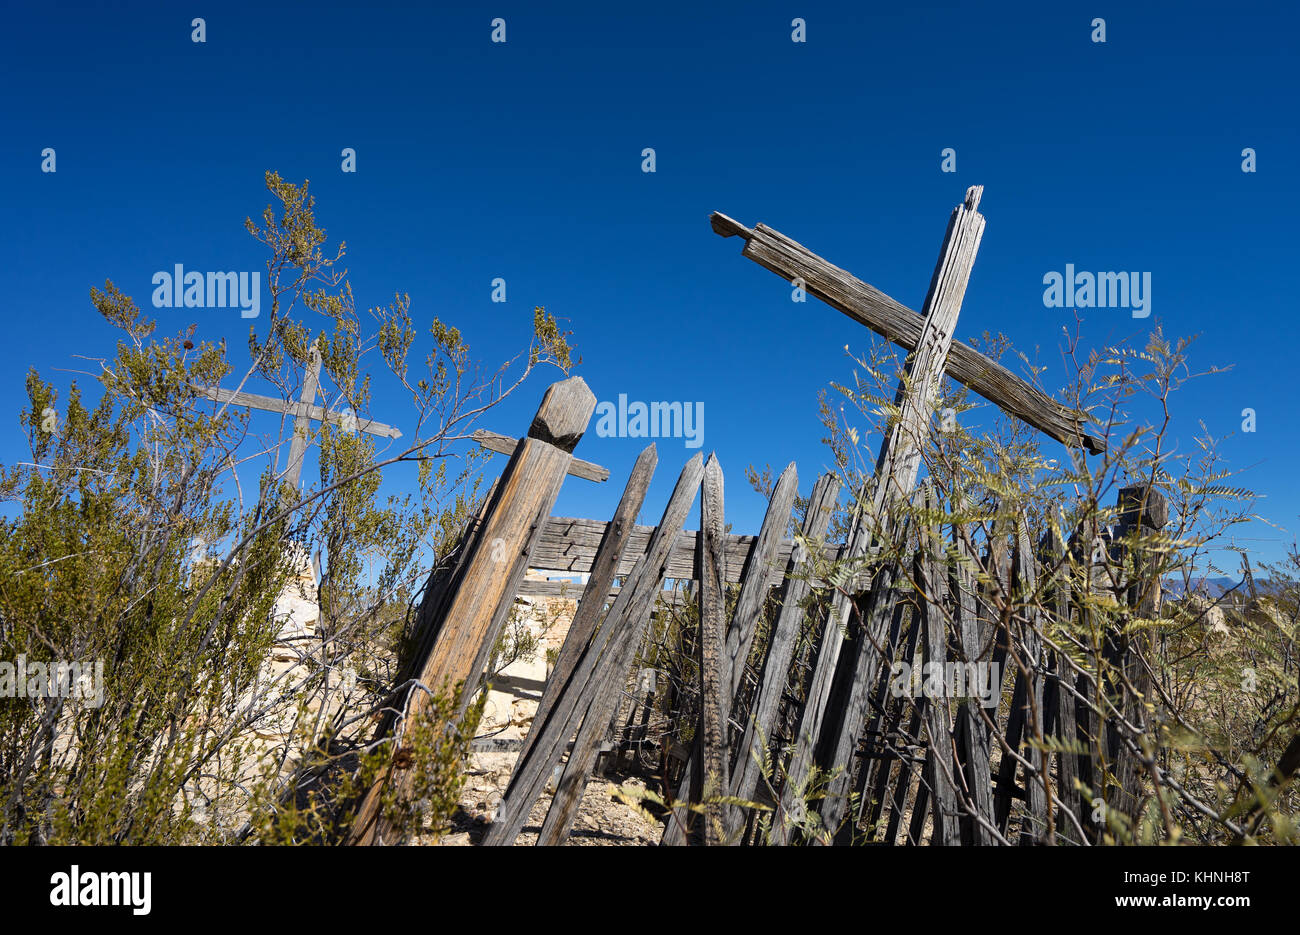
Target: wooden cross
{"x": 835, "y": 725}
{"x": 865, "y": 304}
{"x": 304, "y": 412}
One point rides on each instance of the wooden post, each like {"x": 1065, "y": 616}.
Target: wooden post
{"x": 757, "y": 579}
{"x": 896, "y": 470}
{"x": 780, "y": 653}
{"x": 486, "y": 587}
{"x": 578, "y": 698}
{"x": 1143, "y": 510}
{"x": 627, "y": 621}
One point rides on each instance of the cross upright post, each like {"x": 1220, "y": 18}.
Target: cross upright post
{"x": 304, "y": 411}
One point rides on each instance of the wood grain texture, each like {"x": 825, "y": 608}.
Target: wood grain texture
{"x": 940, "y": 762}
{"x": 595, "y": 671}
{"x": 504, "y": 444}
{"x": 747, "y": 772}
{"x": 523, "y": 498}
{"x": 876, "y": 774}
{"x": 575, "y": 590}
{"x": 895, "y": 321}
{"x": 1061, "y": 680}
{"x": 1031, "y": 659}
{"x": 564, "y": 413}
{"x": 761, "y": 573}
{"x": 568, "y": 545}
{"x": 594, "y": 597}
{"x": 780, "y": 652}
{"x": 714, "y": 697}
{"x": 973, "y": 735}
{"x": 895, "y": 478}
{"x": 627, "y": 618}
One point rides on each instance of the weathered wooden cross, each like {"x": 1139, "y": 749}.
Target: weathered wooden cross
{"x": 831, "y": 731}
{"x": 865, "y": 304}
{"x": 304, "y": 412}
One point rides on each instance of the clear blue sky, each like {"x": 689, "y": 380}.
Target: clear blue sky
{"x": 523, "y": 160}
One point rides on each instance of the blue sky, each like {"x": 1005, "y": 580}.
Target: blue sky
{"x": 522, "y": 160}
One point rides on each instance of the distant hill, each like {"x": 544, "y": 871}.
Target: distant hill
{"x": 1211, "y": 587}
{"x": 1216, "y": 587}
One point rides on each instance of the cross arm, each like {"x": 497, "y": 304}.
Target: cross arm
{"x": 863, "y": 303}
{"x": 271, "y": 404}
{"x": 504, "y": 444}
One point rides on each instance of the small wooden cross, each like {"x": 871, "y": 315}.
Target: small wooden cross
{"x": 303, "y": 411}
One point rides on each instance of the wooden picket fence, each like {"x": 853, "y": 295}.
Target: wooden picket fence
{"x": 759, "y": 755}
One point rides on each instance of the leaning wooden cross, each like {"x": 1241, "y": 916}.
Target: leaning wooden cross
{"x": 834, "y": 727}
{"x": 864, "y": 303}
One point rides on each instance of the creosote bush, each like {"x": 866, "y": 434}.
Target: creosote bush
{"x": 151, "y": 532}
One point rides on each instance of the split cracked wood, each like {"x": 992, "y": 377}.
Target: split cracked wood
{"x": 623, "y": 625}
{"x": 523, "y": 499}
{"x": 895, "y": 478}
{"x": 758, "y": 577}
{"x": 846, "y": 293}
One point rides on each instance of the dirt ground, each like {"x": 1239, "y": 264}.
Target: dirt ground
{"x": 601, "y": 819}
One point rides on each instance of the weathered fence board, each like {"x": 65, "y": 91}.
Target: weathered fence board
{"x": 598, "y": 665}
{"x": 714, "y": 677}
{"x": 1032, "y": 665}
{"x": 758, "y": 578}
{"x": 568, "y": 546}
{"x": 600, "y": 684}
{"x": 973, "y": 735}
{"x": 780, "y": 653}
{"x": 484, "y": 591}
{"x": 940, "y": 764}
{"x": 587, "y": 616}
